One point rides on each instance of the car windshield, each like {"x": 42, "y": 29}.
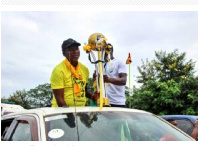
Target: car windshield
{"x": 110, "y": 126}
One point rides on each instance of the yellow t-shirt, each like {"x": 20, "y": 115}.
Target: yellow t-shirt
{"x": 62, "y": 77}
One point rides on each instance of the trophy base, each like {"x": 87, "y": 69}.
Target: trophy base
{"x": 106, "y": 102}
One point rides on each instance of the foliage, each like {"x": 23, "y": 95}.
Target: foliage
{"x": 189, "y": 90}
{"x": 168, "y": 85}
{"x": 40, "y": 96}
{"x": 20, "y": 98}
{"x": 166, "y": 67}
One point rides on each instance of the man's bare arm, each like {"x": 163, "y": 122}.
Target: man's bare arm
{"x": 59, "y": 95}
{"x": 121, "y": 81}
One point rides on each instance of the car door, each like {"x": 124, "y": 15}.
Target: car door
{"x": 23, "y": 128}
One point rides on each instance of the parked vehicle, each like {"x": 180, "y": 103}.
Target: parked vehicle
{"x": 184, "y": 122}
{"x": 88, "y": 124}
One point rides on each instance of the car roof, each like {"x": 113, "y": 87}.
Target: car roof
{"x": 192, "y": 118}
{"x": 13, "y": 106}
{"x": 48, "y": 111}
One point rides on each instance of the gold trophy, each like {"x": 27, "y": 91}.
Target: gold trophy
{"x": 97, "y": 43}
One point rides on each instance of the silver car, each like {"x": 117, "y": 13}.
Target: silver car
{"x": 88, "y": 124}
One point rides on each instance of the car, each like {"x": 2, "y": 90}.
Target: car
{"x": 184, "y": 122}
{"x": 88, "y": 124}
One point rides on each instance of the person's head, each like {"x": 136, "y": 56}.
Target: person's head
{"x": 110, "y": 48}
{"x": 70, "y": 49}
{"x": 173, "y": 122}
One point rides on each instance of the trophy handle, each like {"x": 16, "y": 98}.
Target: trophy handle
{"x": 103, "y": 101}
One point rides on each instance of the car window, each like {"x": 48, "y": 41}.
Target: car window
{"x": 5, "y": 124}
{"x": 22, "y": 132}
{"x": 185, "y": 125}
{"x": 109, "y": 126}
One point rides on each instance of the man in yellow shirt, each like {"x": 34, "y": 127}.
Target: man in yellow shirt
{"x": 69, "y": 78}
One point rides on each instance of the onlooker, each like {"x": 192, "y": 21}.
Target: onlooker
{"x": 194, "y": 132}
{"x": 173, "y": 122}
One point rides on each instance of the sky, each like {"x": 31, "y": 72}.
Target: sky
{"x": 31, "y": 40}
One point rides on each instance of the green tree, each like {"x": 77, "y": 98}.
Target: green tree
{"x": 20, "y": 98}
{"x": 166, "y": 66}
{"x": 189, "y": 90}
{"x": 128, "y": 94}
{"x": 169, "y": 85}
{"x": 40, "y": 96}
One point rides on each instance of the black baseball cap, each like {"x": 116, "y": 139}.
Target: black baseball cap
{"x": 69, "y": 42}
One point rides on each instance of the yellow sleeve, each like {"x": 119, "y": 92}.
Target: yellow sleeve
{"x": 57, "y": 79}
